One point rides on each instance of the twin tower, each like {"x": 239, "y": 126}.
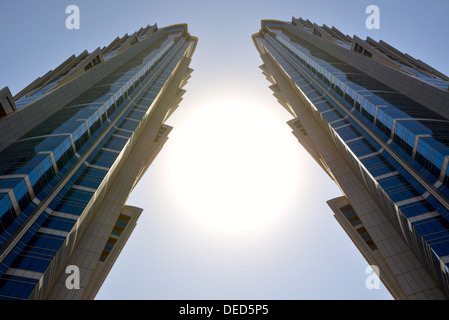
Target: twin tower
{"x": 76, "y": 141}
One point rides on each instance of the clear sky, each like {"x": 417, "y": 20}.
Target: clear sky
{"x": 234, "y": 208}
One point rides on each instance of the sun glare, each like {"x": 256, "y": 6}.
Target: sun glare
{"x": 233, "y": 166}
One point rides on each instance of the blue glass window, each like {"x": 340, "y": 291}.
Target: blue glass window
{"x": 398, "y": 188}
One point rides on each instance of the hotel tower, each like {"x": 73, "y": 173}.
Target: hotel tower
{"x": 376, "y": 121}
{"x": 73, "y": 145}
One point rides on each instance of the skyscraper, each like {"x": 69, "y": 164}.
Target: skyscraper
{"x": 376, "y": 121}
{"x": 73, "y": 144}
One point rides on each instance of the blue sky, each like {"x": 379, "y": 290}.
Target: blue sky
{"x": 230, "y": 150}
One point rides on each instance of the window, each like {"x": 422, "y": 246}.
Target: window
{"x": 365, "y": 236}
{"x": 107, "y": 249}
{"x": 93, "y": 63}
{"x": 120, "y": 225}
{"x": 367, "y": 53}
{"x": 358, "y": 48}
{"x": 350, "y": 214}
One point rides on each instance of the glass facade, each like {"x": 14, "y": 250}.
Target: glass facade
{"x": 52, "y": 175}
{"x": 397, "y": 146}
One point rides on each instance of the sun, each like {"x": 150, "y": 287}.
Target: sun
{"x": 233, "y": 166}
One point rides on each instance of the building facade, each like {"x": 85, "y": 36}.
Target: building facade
{"x": 73, "y": 144}
{"x": 376, "y": 121}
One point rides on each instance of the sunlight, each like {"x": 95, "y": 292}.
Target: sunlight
{"x": 233, "y": 166}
